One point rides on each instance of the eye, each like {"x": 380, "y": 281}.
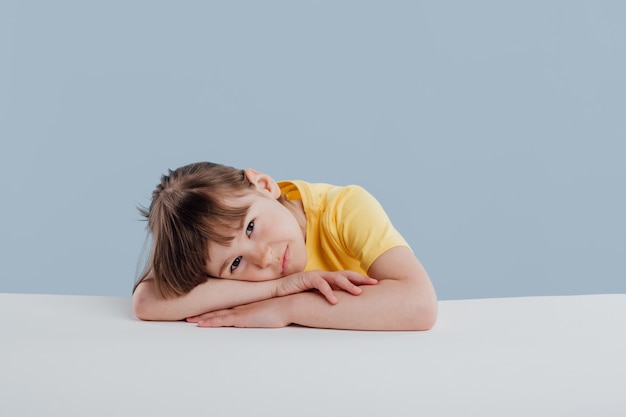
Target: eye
{"x": 235, "y": 263}
{"x": 250, "y": 228}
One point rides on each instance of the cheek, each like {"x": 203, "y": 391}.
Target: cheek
{"x": 212, "y": 266}
{"x": 299, "y": 258}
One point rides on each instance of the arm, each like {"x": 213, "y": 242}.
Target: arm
{"x": 216, "y": 294}
{"x": 404, "y": 299}
{"x": 213, "y": 294}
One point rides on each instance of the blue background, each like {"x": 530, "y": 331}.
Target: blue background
{"x": 493, "y": 132}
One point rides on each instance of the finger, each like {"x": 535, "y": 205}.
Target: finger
{"x": 357, "y": 278}
{"x": 196, "y": 319}
{"x": 204, "y": 316}
{"x": 226, "y": 320}
{"x": 210, "y": 323}
{"x": 325, "y": 289}
{"x": 346, "y": 285}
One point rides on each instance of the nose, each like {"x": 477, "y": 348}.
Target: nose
{"x": 263, "y": 256}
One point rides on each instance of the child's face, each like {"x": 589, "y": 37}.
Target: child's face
{"x": 270, "y": 245}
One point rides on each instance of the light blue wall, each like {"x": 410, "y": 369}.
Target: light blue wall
{"x": 493, "y": 132}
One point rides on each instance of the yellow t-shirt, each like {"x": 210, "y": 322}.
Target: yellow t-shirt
{"x": 346, "y": 227}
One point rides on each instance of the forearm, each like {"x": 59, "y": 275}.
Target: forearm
{"x": 219, "y": 294}
{"x": 403, "y": 299}
{"x": 214, "y": 294}
{"x": 390, "y": 305}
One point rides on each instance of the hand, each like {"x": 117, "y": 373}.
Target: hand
{"x": 323, "y": 281}
{"x": 266, "y": 313}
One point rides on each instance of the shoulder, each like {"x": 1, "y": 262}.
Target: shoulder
{"x": 352, "y": 200}
{"x": 324, "y": 196}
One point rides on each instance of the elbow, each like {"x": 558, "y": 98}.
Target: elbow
{"x": 428, "y": 316}
{"x": 142, "y": 304}
{"x": 424, "y": 311}
{"x": 139, "y": 307}
{"x": 150, "y": 306}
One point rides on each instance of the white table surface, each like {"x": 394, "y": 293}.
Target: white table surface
{"x": 527, "y": 356}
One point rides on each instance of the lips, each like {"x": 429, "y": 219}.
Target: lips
{"x": 285, "y": 261}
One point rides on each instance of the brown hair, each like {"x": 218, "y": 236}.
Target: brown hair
{"x": 188, "y": 210}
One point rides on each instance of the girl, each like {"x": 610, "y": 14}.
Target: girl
{"x": 236, "y": 248}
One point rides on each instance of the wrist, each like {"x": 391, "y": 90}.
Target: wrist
{"x": 287, "y": 308}
{"x": 277, "y": 289}
{"x": 286, "y": 285}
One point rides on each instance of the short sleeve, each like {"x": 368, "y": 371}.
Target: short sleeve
{"x": 363, "y": 227}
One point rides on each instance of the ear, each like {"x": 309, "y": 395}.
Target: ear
{"x": 263, "y": 182}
